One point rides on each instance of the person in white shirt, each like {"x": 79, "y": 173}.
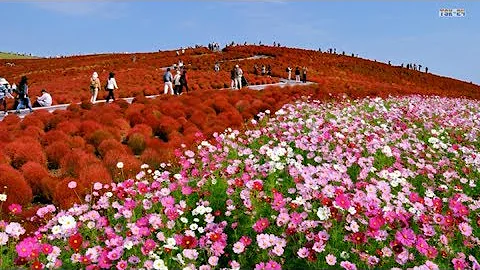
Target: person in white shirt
{"x": 111, "y": 85}
{"x": 45, "y": 99}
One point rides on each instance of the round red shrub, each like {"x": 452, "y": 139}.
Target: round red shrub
{"x": 55, "y": 152}
{"x": 65, "y": 197}
{"x": 23, "y": 150}
{"x": 87, "y": 127}
{"x": 137, "y": 143}
{"x": 33, "y": 174}
{"x": 69, "y": 127}
{"x": 54, "y": 136}
{"x": 74, "y": 161}
{"x": 17, "y": 190}
{"x": 110, "y": 144}
{"x": 98, "y": 136}
{"x": 34, "y": 132}
{"x": 152, "y": 158}
{"x": 94, "y": 173}
{"x": 143, "y": 129}
{"x": 131, "y": 165}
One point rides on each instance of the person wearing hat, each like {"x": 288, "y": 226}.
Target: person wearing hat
{"x": 5, "y": 91}
{"x": 23, "y": 99}
{"x": 94, "y": 87}
{"x": 45, "y": 100}
{"x": 238, "y": 77}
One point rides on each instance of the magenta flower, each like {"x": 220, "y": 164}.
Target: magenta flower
{"x": 15, "y": 208}
{"x": 261, "y": 225}
{"x": 376, "y": 223}
{"x": 406, "y": 237}
{"x": 24, "y": 249}
{"x": 342, "y": 201}
{"x": 422, "y": 246}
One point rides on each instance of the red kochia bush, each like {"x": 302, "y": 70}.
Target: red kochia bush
{"x": 110, "y": 144}
{"x": 17, "y": 190}
{"x": 55, "y": 152}
{"x": 143, "y": 129}
{"x": 98, "y": 136}
{"x": 136, "y": 142}
{"x": 33, "y": 173}
{"x": 65, "y": 197}
{"x": 23, "y": 150}
{"x": 94, "y": 173}
{"x": 54, "y": 136}
{"x": 74, "y": 161}
{"x": 152, "y": 158}
{"x": 69, "y": 127}
{"x": 130, "y": 164}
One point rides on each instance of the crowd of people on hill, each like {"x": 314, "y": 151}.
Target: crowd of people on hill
{"x": 300, "y": 75}
{"x": 414, "y": 67}
{"x": 21, "y": 96}
{"x": 237, "y": 79}
{"x": 175, "y": 83}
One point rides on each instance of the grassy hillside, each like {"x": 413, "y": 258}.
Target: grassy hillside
{"x": 4, "y": 55}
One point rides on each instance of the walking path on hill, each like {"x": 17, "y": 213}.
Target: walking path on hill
{"x": 25, "y": 112}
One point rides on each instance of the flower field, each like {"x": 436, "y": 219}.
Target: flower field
{"x": 363, "y": 183}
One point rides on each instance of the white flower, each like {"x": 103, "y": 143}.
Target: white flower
{"x": 193, "y": 227}
{"x": 120, "y": 165}
{"x": 159, "y": 264}
{"x": 67, "y": 222}
{"x": 429, "y": 193}
{"x": 128, "y": 245}
{"x": 3, "y": 238}
{"x": 387, "y": 151}
{"x": 56, "y": 230}
{"x": 352, "y": 210}
{"x": 3, "y": 197}
{"x": 184, "y": 219}
{"x": 323, "y": 213}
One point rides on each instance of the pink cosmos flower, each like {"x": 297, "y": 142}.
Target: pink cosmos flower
{"x": 15, "y": 208}
{"x": 406, "y": 237}
{"x": 303, "y": 252}
{"x": 213, "y": 260}
{"x": 342, "y": 201}
{"x": 348, "y": 265}
{"x": 465, "y": 228}
{"x": 72, "y": 184}
{"x": 331, "y": 259}
{"x": 238, "y": 247}
{"x": 422, "y": 245}
{"x": 122, "y": 265}
{"x": 459, "y": 264}
{"x": 261, "y": 225}
{"x": 24, "y": 249}
{"x": 376, "y": 222}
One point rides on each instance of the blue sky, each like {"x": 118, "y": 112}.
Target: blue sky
{"x": 402, "y": 32}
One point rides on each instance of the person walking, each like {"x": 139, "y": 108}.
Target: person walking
{"x": 167, "y": 79}
{"x": 24, "y": 100}
{"x": 94, "y": 87}
{"x": 184, "y": 81}
{"x": 5, "y": 92}
{"x": 304, "y": 74}
{"x": 177, "y": 84}
{"x": 232, "y": 77}
{"x": 297, "y": 74}
{"x": 44, "y": 100}
{"x": 289, "y": 71}
{"x": 111, "y": 85}
{"x": 238, "y": 77}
